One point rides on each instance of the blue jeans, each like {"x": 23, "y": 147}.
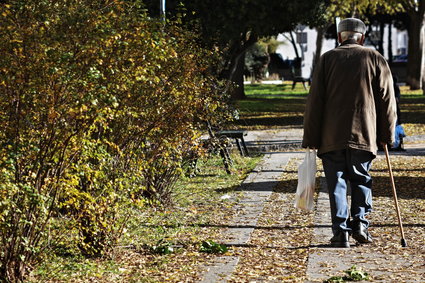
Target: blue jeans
{"x": 348, "y": 165}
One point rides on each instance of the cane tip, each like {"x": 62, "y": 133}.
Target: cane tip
{"x": 403, "y": 243}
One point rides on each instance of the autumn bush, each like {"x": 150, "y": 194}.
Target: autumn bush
{"x": 100, "y": 105}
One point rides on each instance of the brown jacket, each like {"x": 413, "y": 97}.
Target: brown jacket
{"x": 351, "y": 102}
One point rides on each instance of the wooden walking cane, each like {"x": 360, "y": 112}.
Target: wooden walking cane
{"x": 403, "y": 241}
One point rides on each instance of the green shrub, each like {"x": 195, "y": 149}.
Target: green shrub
{"x": 100, "y": 106}
{"x": 256, "y": 61}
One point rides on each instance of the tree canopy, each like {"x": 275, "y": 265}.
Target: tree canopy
{"x": 235, "y": 25}
{"x": 100, "y": 108}
{"x": 415, "y": 10}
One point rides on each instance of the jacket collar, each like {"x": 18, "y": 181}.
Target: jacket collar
{"x": 349, "y": 41}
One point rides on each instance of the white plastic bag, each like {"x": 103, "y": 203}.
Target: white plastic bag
{"x": 306, "y": 181}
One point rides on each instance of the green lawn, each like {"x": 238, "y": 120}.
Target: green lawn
{"x": 412, "y": 111}
{"x": 278, "y": 106}
{"x": 275, "y": 91}
{"x": 271, "y": 106}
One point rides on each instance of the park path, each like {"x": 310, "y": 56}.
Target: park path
{"x": 257, "y": 189}
{"x": 323, "y": 261}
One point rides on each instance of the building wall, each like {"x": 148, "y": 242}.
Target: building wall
{"x": 399, "y": 46}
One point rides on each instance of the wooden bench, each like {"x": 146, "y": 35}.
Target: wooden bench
{"x": 299, "y": 79}
{"x": 218, "y": 141}
{"x": 238, "y": 135}
{"x": 217, "y": 144}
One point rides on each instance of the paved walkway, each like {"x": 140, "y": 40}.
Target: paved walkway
{"x": 274, "y": 140}
{"x": 323, "y": 261}
{"x": 257, "y": 189}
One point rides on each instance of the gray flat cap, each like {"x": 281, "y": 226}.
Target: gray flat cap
{"x": 352, "y": 24}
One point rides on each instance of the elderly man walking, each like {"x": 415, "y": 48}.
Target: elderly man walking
{"x": 350, "y": 109}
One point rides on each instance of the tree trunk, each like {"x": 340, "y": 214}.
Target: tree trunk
{"x": 415, "y": 50}
{"x": 319, "y": 44}
{"x": 234, "y": 69}
{"x": 390, "y": 43}
{"x": 294, "y": 44}
{"x": 423, "y": 63}
{"x": 237, "y": 78}
{"x": 298, "y": 59}
{"x": 381, "y": 38}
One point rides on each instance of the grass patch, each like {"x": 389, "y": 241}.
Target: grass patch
{"x": 412, "y": 106}
{"x": 406, "y": 92}
{"x": 271, "y": 107}
{"x": 278, "y": 106}
{"x": 161, "y": 243}
{"x": 275, "y": 90}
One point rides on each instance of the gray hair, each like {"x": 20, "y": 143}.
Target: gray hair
{"x": 350, "y": 35}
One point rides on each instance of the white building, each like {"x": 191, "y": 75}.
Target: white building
{"x": 286, "y": 49}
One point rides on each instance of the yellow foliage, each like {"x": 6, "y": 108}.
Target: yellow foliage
{"x": 99, "y": 108}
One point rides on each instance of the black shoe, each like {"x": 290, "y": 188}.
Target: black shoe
{"x": 360, "y": 234}
{"x": 340, "y": 240}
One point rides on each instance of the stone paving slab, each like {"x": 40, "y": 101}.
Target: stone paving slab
{"x": 257, "y": 188}
{"x": 220, "y": 270}
{"x": 325, "y": 261}
{"x": 291, "y": 138}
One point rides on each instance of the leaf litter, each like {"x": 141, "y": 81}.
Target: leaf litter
{"x": 280, "y": 244}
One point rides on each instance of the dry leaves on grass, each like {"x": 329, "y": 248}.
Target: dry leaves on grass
{"x": 413, "y": 129}
{"x": 278, "y": 249}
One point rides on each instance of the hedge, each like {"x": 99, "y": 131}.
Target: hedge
{"x": 100, "y": 106}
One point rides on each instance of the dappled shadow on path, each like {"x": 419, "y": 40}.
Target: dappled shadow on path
{"x": 259, "y": 227}
{"x": 258, "y": 186}
{"x": 411, "y": 150}
{"x": 407, "y": 187}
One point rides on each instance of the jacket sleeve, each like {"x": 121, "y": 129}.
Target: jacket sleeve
{"x": 385, "y": 104}
{"x": 313, "y": 115}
